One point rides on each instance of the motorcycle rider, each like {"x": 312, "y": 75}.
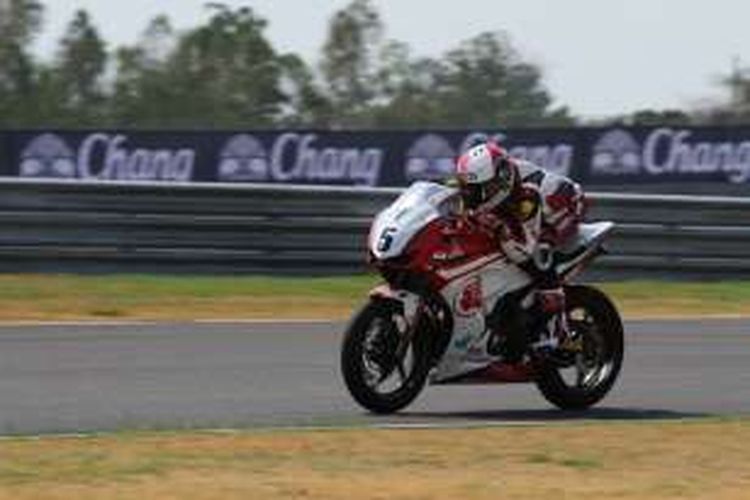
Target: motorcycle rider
{"x": 531, "y": 212}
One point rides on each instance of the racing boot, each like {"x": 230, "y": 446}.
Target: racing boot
{"x": 556, "y": 330}
{"x": 509, "y": 332}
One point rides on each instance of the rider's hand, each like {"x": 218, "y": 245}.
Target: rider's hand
{"x": 490, "y": 224}
{"x": 456, "y": 225}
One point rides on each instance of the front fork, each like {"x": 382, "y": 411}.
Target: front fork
{"x": 422, "y": 316}
{"x": 410, "y": 302}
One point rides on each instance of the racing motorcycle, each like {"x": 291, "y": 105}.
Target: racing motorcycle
{"x": 454, "y": 310}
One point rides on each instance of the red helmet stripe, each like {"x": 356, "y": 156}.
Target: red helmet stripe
{"x": 462, "y": 165}
{"x": 496, "y": 151}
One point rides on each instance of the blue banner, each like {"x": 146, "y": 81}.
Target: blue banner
{"x": 668, "y": 155}
{"x": 594, "y": 156}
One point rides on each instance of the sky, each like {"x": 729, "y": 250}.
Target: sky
{"x": 599, "y": 57}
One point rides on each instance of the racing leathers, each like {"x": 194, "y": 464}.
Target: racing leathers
{"x": 540, "y": 215}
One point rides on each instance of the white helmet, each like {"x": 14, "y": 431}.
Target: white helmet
{"x": 487, "y": 176}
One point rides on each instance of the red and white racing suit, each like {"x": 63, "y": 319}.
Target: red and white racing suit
{"x": 563, "y": 202}
{"x": 540, "y": 215}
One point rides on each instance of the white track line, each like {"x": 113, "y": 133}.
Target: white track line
{"x": 25, "y": 323}
{"x": 394, "y": 426}
{"x": 266, "y": 321}
{"x": 687, "y": 317}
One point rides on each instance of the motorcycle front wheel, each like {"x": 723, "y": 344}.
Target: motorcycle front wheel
{"x": 384, "y": 361}
{"x": 590, "y": 364}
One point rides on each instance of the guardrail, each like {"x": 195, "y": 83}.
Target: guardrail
{"x": 132, "y": 227}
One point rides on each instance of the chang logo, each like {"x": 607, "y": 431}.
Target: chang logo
{"x": 48, "y": 156}
{"x": 243, "y": 159}
{"x": 469, "y": 301}
{"x": 103, "y": 156}
{"x": 430, "y": 158}
{"x": 616, "y": 153}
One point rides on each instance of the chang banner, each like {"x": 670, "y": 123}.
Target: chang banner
{"x": 616, "y": 156}
{"x": 669, "y": 154}
{"x": 104, "y": 156}
{"x": 299, "y": 157}
{"x": 290, "y": 157}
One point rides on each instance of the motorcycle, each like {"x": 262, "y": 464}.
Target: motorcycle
{"x": 453, "y": 309}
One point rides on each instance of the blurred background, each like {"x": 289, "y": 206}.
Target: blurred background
{"x": 198, "y": 110}
{"x": 328, "y": 63}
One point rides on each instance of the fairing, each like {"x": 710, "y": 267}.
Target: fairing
{"x": 395, "y": 227}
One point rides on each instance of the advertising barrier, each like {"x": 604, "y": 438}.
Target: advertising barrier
{"x": 668, "y": 154}
{"x": 596, "y": 156}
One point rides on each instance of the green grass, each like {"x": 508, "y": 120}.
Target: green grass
{"x": 677, "y": 298}
{"x": 27, "y": 297}
{"x": 49, "y": 297}
{"x": 145, "y": 287}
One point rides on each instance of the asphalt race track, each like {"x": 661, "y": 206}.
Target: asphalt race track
{"x": 63, "y": 379}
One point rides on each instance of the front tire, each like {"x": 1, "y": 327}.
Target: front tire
{"x": 595, "y": 355}
{"x": 384, "y": 364}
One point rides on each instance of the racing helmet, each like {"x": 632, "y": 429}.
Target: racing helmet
{"x": 487, "y": 176}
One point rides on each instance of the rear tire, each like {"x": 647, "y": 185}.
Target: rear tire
{"x": 361, "y": 362}
{"x": 600, "y": 355}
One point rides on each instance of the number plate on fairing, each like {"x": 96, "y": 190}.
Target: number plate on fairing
{"x": 417, "y": 207}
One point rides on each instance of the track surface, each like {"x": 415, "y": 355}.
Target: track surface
{"x": 95, "y": 378}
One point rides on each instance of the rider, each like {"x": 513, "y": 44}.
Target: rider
{"x": 532, "y": 212}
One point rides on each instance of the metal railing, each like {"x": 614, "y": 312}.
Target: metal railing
{"x": 132, "y": 227}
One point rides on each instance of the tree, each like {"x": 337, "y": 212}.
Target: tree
{"x": 485, "y": 83}
{"x": 223, "y": 73}
{"x": 348, "y": 63}
{"x": 80, "y": 66}
{"x": 20, "y": 22}
{"x": 307, "y": 105}
{"x": 408, "y": 89}
{"x": 736, "y": 108}
{"x": 157, "y": 42}
{"x": 666, "y": 117}
{"x": 226, "y": 73}
{"x": 482, "y": 83}
{"x": 142, "y": 92}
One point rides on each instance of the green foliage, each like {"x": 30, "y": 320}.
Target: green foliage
{"x": 307, "y": 104}
{"x": 652, "y": 117}
{"x": 20, "y": 22}
{"x": 222, "y": 74}
{"x": 410, "y": 89}
{"x": 485, "y": 83}
{"x": 79, "y": 70}
{"x": 226, "y": 73}
{"x": 736, "y": 109}
{"x": 348, "y": 62}
{"x": 482, "y": 83}
{"x": 142, "y": 93}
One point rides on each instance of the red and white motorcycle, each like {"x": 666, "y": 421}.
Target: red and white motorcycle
{"x": 452, "y": 307}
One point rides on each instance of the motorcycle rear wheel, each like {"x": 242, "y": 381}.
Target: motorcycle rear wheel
{"x": 597, "y": 360}
{"x": 377, "y": 351}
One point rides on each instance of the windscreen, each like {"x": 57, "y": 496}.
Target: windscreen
{"x": 419, "y": 205}
{"x": 427, "y": 198}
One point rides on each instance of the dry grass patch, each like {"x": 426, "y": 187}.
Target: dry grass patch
{"x": 587, "y": 461}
